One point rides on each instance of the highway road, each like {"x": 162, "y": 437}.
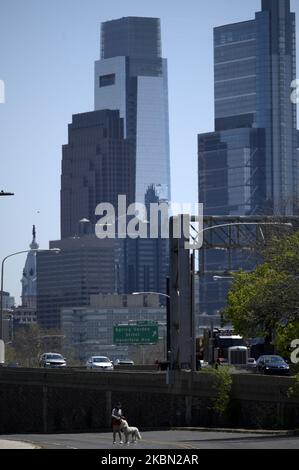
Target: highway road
{"x": 169, "y": 439}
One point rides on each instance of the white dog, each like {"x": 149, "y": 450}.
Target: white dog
{"x": 129, "y": 431}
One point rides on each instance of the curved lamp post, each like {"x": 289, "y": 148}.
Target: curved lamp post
{"x": 56, "y": 250}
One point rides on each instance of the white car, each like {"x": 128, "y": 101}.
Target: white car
{"x": 100, "y": 363}
{"x": 52, "y": 361}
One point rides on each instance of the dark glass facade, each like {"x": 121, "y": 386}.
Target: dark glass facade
{"x": 133, "y": 37}
{"x": 97, "y": 166}
{"x": 232, "y": 171}
{"x": 235, "y": 73}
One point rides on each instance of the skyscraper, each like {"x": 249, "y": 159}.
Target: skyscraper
{"x": 97, "y": 165}
{"x": 249, "y": 164}
{"x": 132, "y": 78}
{"x": 254, "y": 65}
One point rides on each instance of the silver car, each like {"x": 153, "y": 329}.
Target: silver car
{"x": 100, "y": 363}
{"x": 52, "y": 361}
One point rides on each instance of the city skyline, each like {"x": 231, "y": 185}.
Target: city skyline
{"x": 41, "y": 127}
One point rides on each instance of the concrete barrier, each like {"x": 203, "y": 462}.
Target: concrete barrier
{"x": 42, "y": 400}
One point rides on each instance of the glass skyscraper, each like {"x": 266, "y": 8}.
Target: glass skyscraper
{"x": 131, "y": 77}
{"x": 254, "y": 65}
{"x": 249, "y": 164}
{"x": 231, "y": 171}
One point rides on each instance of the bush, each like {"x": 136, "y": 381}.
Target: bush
{"x": 222, "y": 386}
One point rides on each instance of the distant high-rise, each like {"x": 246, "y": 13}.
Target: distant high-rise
{"x": 254, "y": 65}
{"x": 84, "y": 266}
{"x": 132, "y": 78}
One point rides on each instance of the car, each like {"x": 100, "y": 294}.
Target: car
{"x": 52, "y": 361}
{"x": 123, "y": 362}
{"x": 251, "y": 363}
{"x": 272, "y": 365}
{"x": 100, "y": 363}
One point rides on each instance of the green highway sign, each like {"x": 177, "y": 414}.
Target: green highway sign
{"x": 135, "y": 334}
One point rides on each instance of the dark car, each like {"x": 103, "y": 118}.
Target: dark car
{"x": 123, "y": 362}
{"x": 272, "y": 365}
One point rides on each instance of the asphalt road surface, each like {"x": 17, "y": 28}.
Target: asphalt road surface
{"x": 180, "y": 439}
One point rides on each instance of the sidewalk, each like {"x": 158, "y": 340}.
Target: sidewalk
{"x": 6, "y": 444}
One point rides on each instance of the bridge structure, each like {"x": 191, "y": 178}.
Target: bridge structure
{"x": 249, "y": 234}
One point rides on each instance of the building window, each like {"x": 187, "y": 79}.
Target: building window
{"x": 107, "y": 80}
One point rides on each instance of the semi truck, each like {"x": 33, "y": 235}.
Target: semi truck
{"x": 221, "y": 346}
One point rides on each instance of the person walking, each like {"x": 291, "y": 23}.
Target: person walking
{"x": 116, "y": 417}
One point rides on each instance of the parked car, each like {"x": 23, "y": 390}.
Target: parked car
{"x": 251, "y": 363}
{"x": 100, "y": 363}
{"x": 52, "y": 361}
{"x": 123, "y": 362}
{"x": 272, "y": 365}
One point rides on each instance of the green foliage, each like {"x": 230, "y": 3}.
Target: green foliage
{"x": 284, "y": 336}
{"x": 29, "y": 343}
{"x": 222, "y": 386}
{"x": 294, "y": 391}
{"x": 265, "y": 302}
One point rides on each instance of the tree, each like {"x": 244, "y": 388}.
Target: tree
{"x": 30, "y": 342}
{"x": 265, "y": 302}
{"x": 27, "y": 346}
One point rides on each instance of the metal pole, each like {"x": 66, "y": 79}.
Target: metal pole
{"x": 192, "y": 321}
{"x": 168, "y": 345}
{"x": 1, "y": 301}
{"x": 2, "y": 280}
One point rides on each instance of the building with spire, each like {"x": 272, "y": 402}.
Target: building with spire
{"x": 25, "y": 314}
{"x": 29, "y": 275}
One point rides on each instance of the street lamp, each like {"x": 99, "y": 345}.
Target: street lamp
{"x": 3, "y": 193}
{"x": 56, "y": 250}
{"x": 151, "y": 293}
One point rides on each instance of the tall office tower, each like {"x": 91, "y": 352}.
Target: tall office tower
{"x": 132, "y": 77}
{"x": 97, "y": 165}
{"x": 249, "y": 165}
{"x": 254, "y": 65}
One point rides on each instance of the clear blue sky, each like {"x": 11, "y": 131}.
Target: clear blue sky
{"x": 47, "y": 54}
